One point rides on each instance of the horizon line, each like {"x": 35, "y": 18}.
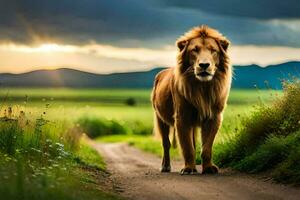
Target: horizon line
{"x": 133, "y": 71}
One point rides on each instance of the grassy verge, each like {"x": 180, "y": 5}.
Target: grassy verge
{"x": 89, "y": 157}
{"x": 269, "y": 140}
{"x": 41, "y": 159}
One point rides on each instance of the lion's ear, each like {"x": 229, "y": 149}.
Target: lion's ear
{"x": 181, "y": 44}
{"x": 224, "y": 44}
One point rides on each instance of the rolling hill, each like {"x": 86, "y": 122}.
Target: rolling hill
{"x": 245, "y": 77}
{"x": 251, "y": 76}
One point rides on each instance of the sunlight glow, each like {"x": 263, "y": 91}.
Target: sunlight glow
{"x": 139, "y": 54}
{"x": 101, "y": 58}
{"x": 44, "y": 48}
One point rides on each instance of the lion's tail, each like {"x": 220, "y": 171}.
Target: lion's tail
{"x": 155, "y": 132}
{"x": 172, "y": 133}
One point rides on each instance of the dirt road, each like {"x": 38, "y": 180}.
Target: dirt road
{"x": 137, "y": 176}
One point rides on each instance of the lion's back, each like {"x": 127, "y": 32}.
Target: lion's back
{"x": 162, "y": 100}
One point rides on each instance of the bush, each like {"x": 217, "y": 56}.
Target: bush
{"x": 269, "y": 139}
{"x": 139, "y": 128}
{"x": 130, "y": 102}
{"x": 96, "y": 127}
{"x": 275, "y": 150}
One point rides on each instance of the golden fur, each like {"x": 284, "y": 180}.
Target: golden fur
{"x": 193, "y": 94}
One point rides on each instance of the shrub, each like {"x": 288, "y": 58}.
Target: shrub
{"x": 139, "y": 128}
{"x": 130, "y": 102}
{"x": 268, "y": 140}
{"x": 275, "y": 150}
{"x": 96, "y": 127}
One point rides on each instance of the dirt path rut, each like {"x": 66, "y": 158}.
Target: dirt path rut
{"x": 137, "y": 176}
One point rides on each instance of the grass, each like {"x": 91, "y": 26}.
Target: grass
{"x": 110, "y": 104}
{"x": 19, "y": 180}
{"x": 114, "y": 96}
{"x": 42, "y": 159}
{"x": 99, "y": 96}
{"x": 89, "y": 157}
{"x": 44, "y": 118}
{"x": 269, "y": 139}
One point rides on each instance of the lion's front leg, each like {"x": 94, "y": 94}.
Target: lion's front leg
{"x": 209, "y": 129}
{"x": 185, "y": 136}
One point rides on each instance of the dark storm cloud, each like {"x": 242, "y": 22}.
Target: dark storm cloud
{"x": 72, "y": 20}
{"x": 261, "y": 9}
{"x": 149, "y": 23}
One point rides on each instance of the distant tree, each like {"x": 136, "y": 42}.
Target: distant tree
{"x": 130, "y": 101}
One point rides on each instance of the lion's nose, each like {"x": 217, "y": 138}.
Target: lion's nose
{"x": 204, "y": 65}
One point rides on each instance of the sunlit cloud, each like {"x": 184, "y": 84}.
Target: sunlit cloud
{"x": 263, "y": 55}
{"x": 292, "y": 24}
{"x": 101, "y": 58}
{"x": 43, "y": 48}
{"x": 162, "y": 56}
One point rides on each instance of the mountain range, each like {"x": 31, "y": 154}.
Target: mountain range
{"x": 248, "y": 76}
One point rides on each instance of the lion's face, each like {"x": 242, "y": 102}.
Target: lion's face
{"x": 203, "y": 56}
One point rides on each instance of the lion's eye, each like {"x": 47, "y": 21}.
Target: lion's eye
{"x": 195, "y": 49}
{"x": 213, "y": 50}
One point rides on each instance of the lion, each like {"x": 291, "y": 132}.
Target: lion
{"x": 193, "y": 94}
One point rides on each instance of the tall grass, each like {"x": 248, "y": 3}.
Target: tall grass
{"x": 41, "y": 159}
{"x": 269, "y": 139}
{"x": 40, "y": 136}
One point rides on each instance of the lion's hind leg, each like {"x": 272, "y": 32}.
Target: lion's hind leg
{"x": 164, "y": 130}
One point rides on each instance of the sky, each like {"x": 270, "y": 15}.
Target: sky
{"x": 105, "y": 36}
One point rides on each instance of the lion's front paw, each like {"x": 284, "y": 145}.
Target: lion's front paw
{"x": 165, "y": 169}
{"x": 188, "y": 170}
{"x": 212, "y": 169}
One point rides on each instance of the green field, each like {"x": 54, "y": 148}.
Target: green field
{"x": 71, "y": 104}
{"x": 112, "y": 96}
{"x": 97, "y": 105}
